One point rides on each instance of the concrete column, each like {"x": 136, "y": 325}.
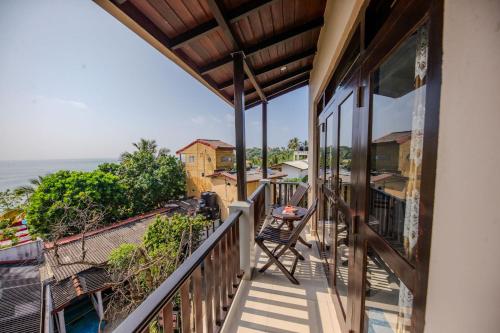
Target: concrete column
{"x": 247, "y": 236}
{"x": 62, "y": 323}
{"x": 100, "y": 308}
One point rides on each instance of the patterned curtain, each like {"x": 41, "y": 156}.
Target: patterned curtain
{"x": 413, "y": 187}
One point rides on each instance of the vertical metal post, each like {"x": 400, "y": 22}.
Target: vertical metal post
{"x": 264, "y": 139}
{"x": 239, "y": 123}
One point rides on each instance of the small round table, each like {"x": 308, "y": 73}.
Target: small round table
{"x": 278, "y": 214}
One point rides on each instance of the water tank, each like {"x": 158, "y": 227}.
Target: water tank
{"x": 210, "y": 199}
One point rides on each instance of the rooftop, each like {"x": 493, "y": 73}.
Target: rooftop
{"x": 252, "y": 175}
{"x": 300, "y": 164}
{"x": 215, "y": 144}
{"x": 398, "y": 137}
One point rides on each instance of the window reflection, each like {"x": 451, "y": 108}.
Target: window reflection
{"x": 345, "y": 148}
{"x": 388, "y": 302}
{"x": 398, "y": 113}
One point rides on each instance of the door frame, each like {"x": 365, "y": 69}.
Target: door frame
{"x": 404, "y": 19}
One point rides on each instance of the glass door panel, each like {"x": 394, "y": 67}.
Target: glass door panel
{"x": 343, "y": 225}
{"x": 398, "y": 114}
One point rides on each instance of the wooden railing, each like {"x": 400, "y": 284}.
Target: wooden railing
{"x": 211, "y": 275}
{"x": 388, "y": 214}
{"x": 259, "y": 203}
{"x": 282, "y": 191}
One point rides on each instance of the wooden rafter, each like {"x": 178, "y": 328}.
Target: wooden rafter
{"x": 209, "y": 26}
{"x": 221, "y": 19}
{"x": 265, "y": 44}
{"x": 285, "y": 62}
{"x": 284, "y": 78}
{"x": 296, "y": 84}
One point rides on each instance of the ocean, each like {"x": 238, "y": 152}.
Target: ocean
{"x": 18, "y": 173}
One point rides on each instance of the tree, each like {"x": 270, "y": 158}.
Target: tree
{"x": 138, "y": 269}
{"x": 62, "y": 189}
{"x": 294, "y": 144}
{"x": 150, "y": 176}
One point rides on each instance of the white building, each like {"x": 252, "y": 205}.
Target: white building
{"x": 294, "y": 169}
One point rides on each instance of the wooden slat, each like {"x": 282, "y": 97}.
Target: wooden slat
{"x": 185, "y": 307}
{"x": 288, "y": 88}
{"x": 197, "y": 300}
{"x": 236, "y": 265}
{"x": 209, "y": 293}
{"x": 283, "y": 78}
{"x": 224, "y": 273}
{"x": 229, "y": 263}
{"x": 168, "y": 323}
{"x": 217, "y": 286}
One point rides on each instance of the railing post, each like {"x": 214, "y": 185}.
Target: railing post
{"x": 267, "y": 191}
{"x": 247, "y": 236}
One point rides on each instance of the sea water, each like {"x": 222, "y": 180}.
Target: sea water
{"x": 17, "y": 173}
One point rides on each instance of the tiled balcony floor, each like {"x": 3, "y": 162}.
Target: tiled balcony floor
{"x": 271, "y": 303}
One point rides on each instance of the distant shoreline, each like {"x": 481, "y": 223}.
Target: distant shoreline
{"x": 15, "y": 173}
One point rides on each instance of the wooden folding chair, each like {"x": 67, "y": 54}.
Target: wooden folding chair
{"x": 285, "y": 240}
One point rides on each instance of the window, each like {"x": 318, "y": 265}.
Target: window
{"x": 191, "y": 159}
{"x": 226, "y": 159}
{"x": 398, "y": 114}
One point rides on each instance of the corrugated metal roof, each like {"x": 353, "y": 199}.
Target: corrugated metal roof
{"x": 99, "y": 245}
{"x": 20, "y": 298}
{"x": 89, "y": 281}
{"x": 300, "y": 164}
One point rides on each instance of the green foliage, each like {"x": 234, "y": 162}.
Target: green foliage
{"x": 121, "y": 257}
{"x": 4, "y": 224}
{"x": 9, "y": 233}
{"x": 150, "y": 177}
{"x": 294, "y": 144}
{"x": 165, "y": 234}
{"x": 74, "y": 189}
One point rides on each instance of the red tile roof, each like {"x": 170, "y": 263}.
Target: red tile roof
{"x": 215, "y": 144}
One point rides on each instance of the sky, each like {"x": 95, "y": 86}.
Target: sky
{"x": 76, "y": 83}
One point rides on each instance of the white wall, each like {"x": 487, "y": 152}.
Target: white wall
{"x": 292, "y": 172}
{"x": 464, "y": 280}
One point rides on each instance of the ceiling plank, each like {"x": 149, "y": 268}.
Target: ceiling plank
{"x": 221, "y": 19}
{"x": 265, "y": 44}
{"x": 209, "y": 26}
{"x": 286, "y": 90}
{"x": 283, "y": 78}
{"x": 285, "y": 62}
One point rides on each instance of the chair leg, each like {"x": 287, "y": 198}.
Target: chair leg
{"x": 297, "y": 254}
{"x": 275, "y": 260}
{"x": 270, "y": 262}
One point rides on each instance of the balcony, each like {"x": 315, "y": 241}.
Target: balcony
{"x": 218, "y": 289}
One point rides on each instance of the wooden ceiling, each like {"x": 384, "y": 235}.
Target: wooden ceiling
{"x": 278, "y": 38}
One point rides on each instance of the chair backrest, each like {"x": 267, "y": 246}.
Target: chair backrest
{"x": 298, "y": 194}
{"x": 310, "y": 211}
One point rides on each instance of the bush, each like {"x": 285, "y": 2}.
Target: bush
{"x": 4, "y": 224}
{"x": 166, "y": 233}
{"x": 74, "y": 189}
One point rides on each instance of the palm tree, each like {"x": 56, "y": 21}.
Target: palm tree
{"x": 146, "y": 146}
{"x": 294, "y": 143}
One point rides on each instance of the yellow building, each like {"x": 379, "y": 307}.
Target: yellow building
{"x": 204, "y": 157}
{"x": 208, "y": 165}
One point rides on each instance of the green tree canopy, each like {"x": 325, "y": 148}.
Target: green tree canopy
{"x": 73, "y": 188}
{"x": 150, "y": 176}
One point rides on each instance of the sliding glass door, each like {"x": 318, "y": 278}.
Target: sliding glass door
{"x": 378, "y": 137}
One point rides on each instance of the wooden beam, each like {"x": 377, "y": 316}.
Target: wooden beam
{"x": 300, "y": 72}
{"x": 294, "y": 85}
{"x": 221, "y": 19}
{"x": 239, "y": 124}
{"x": 263, "y": 45}
{"x": 209, "y": 26}
{"x": 285, "y": 62}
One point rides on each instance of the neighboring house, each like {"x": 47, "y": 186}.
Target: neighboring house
{"x": 224, "y": 184}
{"x": 390, "y": 183}
{"x": 300, "y": 154}
{"x": 204, "y": 157}
{"x": 391, "y": 153}
{"x": 71, "y": 284}
{"x": 294, "y": 169}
